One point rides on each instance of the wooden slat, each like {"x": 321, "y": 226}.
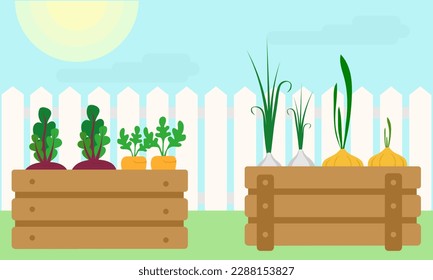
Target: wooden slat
{"x": 265, "y": 214}
{"x": 332, "y": 177}
{"x": 333, "y": 234}
{"x": 99, "y": 209}
{"x": 333, "y": 206}
{"x": 99, "y": 180}
{"x": 99, "y": 237}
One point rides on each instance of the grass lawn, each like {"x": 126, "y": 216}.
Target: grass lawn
{"x": 220, "y": 235}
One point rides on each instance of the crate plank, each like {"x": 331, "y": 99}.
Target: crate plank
{"x": 333, "y": 206}
{"x": 99, "y": 209}
{"x": 99, "y": 180}
{"x": 333, "y": 234}
{"x": 332, "y": 177}
{"x": 99, "y": 237}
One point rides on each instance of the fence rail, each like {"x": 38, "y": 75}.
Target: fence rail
{"x": 222, "y": 135}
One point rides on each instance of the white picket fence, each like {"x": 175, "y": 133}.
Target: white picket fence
{"x": 221, "y": 139}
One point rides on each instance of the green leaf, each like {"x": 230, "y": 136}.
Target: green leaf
{"x": 54, "y": 154}
{"x": 44, "y": 115}
{"x": 81, "y": 144}
{"x": 123, "y": 141}
{"x": 92, "y": 112}
{"x": 57, "y": 143}
{"x": 162, "y": 129}
{"x": 105, "y": 140}
{"x": 35, "y": 155}
{"x": 38, "y": 129}
{"x": 35, "y": 138}
{"x": 136, "y": 136}
{"x": 86, "y": 127}
{"x": 84, "y": 154}
{"x": 149, "y": 141}
{"x": 178, "y": 136}
{"x": 32, "y": 147}
{"x": 49, "y": 142}
{"x": 102, "y": 130}
{"x": 83, "y": 136}
{"x": 98, "y": 125}
{"x": 54, "y": 132}
{"x": 102, "y": 152}
{"x": 50, "y": 127}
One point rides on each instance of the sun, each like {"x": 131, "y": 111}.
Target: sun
{"x": 76, "y": 30}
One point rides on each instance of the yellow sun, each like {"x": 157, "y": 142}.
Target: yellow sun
{"x": 76, "y": 30}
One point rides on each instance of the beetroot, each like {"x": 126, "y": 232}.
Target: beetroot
{"x": 94, "y": 164}
{"x": 46, "y": 165}
{"x": 93, "y": 139}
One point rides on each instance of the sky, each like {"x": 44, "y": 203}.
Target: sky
{"x": 204, "y": 44}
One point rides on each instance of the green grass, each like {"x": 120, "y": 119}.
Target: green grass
{"x": 220, "y": 235}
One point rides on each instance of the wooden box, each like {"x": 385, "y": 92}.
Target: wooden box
{"x": 332, "y": 206}
{"x": 99, "y": 209}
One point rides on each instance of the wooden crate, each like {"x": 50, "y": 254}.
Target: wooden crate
{"x": 332, "y": 206}
{"x": 99, "y": 209}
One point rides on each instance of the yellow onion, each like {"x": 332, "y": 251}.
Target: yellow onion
{"x": 342, "y": 158}
{"x": 387, "y": 157}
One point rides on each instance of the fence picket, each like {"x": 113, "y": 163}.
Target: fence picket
{"x": 187, "y": 155}
{"x": 101, "y": 98}
{"x": 362, "y": 125}
{"x": 309, "y": 136}
{"x": 215, "y": 150}
{"x": 420, "y": 144}
{"x": 391, "y": 106}
{"x": 69, "y": 127}
{"x": 12, "y": 151}
{"x": 40, "y": 98}
{"x": 128, "y": 116}
{"x": 156, "y": 107}
{"x": 244, "y": 142}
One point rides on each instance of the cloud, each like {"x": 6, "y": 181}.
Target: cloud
{"x": 156, "y": 68}
{"x": 364, "y": 30}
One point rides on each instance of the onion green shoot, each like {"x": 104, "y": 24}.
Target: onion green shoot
{"x": 387, "y": 140}
{"x": 299, "y": 114}
{"x": 338, "y": 122}
{"x": 270, "y": 101}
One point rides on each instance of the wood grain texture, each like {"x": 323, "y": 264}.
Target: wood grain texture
{"x": 99, "y": 209}
{"x": 99, "y": 237}
{"x": 333, "y": 206}
{"x": 333, "y": 234}
{"x": 332, "y": 177}
{"x": 99, "y": 180}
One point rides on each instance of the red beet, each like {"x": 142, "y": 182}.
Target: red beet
{"x": 94, "y": 164}
{"x": 46, "y": 165}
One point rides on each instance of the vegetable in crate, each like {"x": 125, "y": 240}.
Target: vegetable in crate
{"x": 301, "y": 159}
{"x": 387, "y": 157}
{"x": 269, "y": 109}
{"x": 45, "y": 141}
{"x": 342, "y": 157}
{"x": 93, "y": 139}
{"x": 134, "y": 161}
{"x": 175, "y": 137}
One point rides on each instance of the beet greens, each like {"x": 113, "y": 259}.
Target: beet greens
{"x": 93, "y": 135}
{"x": 45, "y": 139}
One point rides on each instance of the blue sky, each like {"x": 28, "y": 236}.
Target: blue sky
{"x": 203, "y": 44}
